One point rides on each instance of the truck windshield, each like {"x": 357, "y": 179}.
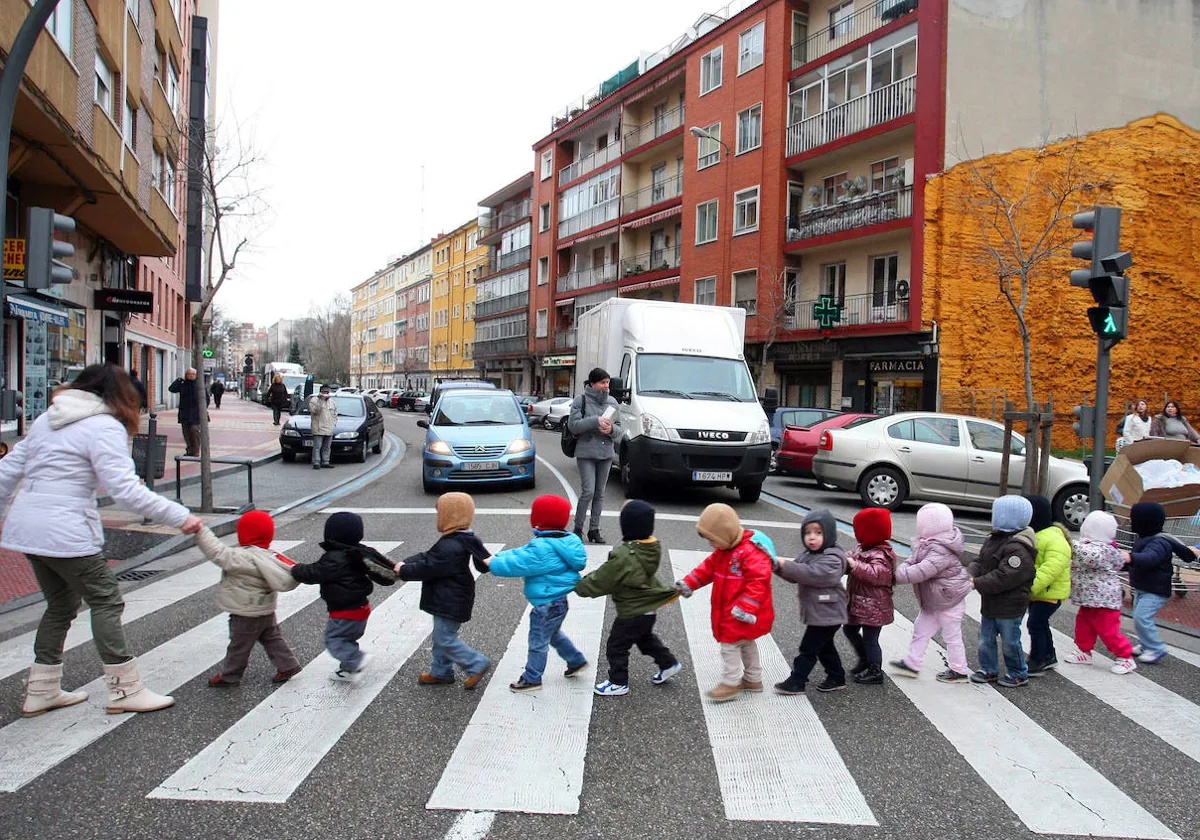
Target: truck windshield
{"x": 693, "y": 377}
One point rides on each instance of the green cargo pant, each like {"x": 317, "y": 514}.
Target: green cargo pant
{"x": 66, "y": 582}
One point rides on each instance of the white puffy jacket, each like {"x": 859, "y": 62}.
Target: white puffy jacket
{"x": 74, "y": 448}
{"x": 251, "y": 575}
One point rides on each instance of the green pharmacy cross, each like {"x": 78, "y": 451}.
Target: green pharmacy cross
{"x": 826, "y": 312}
{"x": 207, "y": 353}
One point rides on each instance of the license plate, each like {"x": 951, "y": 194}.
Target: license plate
{"x": 308, "y": 443}
{"x": 481, "y": 466}
{"x": 701, "y": 475}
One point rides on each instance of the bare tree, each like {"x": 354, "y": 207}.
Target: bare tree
{"x": 775, "y": 309}
{"x": 327, "y": 339}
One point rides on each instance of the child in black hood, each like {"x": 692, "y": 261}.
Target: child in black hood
{"x": 1150, "y": 571}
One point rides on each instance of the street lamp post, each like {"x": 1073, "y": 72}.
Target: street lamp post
{"x": 702, "y": 134}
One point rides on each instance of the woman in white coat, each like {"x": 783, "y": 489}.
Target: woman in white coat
{"x": 80, "y": 444}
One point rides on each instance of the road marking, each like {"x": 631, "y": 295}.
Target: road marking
{"x": 384, "y": 547}
{"x": 471, "y": 825}
{"x": 16, "y": 653}
{"x": 796, "y": 773}
{"x": 1049, "y": 787}
{"x": 525, "y": 752}
{"x": 566, "y": 485}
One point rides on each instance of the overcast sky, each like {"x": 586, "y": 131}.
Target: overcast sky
{"x": 348, "y": 109}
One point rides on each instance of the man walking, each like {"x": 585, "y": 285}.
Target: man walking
{"x": 218, "y": 390}
{"x": 324, "y": 414}
{"x": 189, "y": 410}
{"x": 137, "y": 383}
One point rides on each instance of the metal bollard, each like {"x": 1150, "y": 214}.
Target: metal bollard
{"x": 151, "y": 451}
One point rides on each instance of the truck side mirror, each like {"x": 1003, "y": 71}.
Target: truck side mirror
{"x": 770, "y": 400}
{"x": 616, "y": 387}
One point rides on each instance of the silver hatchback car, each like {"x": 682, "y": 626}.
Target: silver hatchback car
{"x": 940, "y": 458}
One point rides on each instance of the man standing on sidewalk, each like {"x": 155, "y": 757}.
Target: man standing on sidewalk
{"x": 189, "y": 410}
{"x": 218, "y": 390}
{"x": 324, "y": 422}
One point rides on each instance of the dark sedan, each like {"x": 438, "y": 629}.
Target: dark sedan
{"x": 359, "y": 428}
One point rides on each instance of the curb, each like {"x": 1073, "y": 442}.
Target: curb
{"x": 107, "y": 501}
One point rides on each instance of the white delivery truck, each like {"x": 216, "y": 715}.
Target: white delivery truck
{"x": 686, "y": 397}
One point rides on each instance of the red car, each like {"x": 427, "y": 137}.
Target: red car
{"x": 799, "y": 443}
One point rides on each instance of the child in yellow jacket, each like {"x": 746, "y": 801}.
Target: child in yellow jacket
{"x": 1051, "y": 585}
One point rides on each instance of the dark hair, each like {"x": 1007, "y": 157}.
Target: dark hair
{"x": 1138, "y": 401}
{"x": 113, "y": 385}
{"x": 1178, "y": 410}
{"x": 597, "y": 375}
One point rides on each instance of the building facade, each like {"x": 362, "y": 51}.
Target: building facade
{"x": 414, "y": 277}
{"x": 504, "y": 320}
{"x": 373, "y": 330}
{"x": 457, "y": 260}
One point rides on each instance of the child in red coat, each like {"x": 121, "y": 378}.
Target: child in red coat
{"x": 740, "y": 571}
{"x": 869, "y": 586}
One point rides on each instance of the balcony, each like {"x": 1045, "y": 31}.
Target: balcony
{"x": 659, "y": 260}
{"x": 581, "y": 167}
{"x": 513, "y": 346}
{"x": 849, "y": 214}
{"x": 886, "y": 307}
{"x": 657, "y": 127}
{"x": 862, "y": 22}
{"x": 598, "y": 215}
{"x": 494, "y": 306}
{"x": 492, "y": 222}
{"x": 564, "y": 339}
{"x": 863, "y": 112}
{"x": 582, "y": 278}
{"x": 654, "y": 194}
{"x": 500, "y": 262}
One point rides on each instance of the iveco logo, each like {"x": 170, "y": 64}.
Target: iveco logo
{"x": 713, "y": 435}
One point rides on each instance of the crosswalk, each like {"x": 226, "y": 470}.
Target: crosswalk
{"x": 774, "y": 757}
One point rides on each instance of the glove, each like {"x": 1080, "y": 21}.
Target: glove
{"x": 743, "y": 616}
{"x": 684, "y": 589}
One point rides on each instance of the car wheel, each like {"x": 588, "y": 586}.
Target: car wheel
{"x": 882, "y": 487}
{"x": 548, "y": 424}
{"x": 1071, "y": 505}
{"x": 749, "y": 493}
{"x": 290, "y": 457}
{"x": 634, "y": 486}
{"x": 378, "y": 448}
{"x": 361, "y": 454}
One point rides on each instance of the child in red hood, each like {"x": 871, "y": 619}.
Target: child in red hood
{"x": 869, "y": 587}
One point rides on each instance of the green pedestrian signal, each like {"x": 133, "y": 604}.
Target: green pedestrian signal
{"x": 207, "y": 353}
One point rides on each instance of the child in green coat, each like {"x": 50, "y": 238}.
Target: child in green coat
{"x": 630, "y": 576}
{"x": 1051, "y": 585}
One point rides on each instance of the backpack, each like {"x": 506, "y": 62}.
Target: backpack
{"x": 569, "y": 441}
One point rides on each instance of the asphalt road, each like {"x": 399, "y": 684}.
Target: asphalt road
{"x": 653, "y": 760}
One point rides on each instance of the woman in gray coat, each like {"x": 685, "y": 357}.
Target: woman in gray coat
{"x": 594, "y": 435}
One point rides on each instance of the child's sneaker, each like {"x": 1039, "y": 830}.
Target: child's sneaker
{"x": 752, "y": 686}
{"x": 870, "y": 675}
{"x": 859, "y": 667}
{"x": 831, "y": 684}
{"x": 666, "y": 674}
{"x": 575, "y": 669}
{"x": 789, "y": 686}
{"x": 1138, "y": 650}
{"x": 522, "y": 687}
{"x": 900, "y": 668}
{"x": 1150, "y": 657}
{"x": 953, "y": 677}
{"x": 474, "y": 679}
{"x": 1123, "y": 666}
{"x": 722, "y": 692}
{"x": 1079, "y": 658}
{"x": 982, "y": 678}
{"x": 363, "y": 662}
{"x": 1009, "y": 681}
{"x": 286, "y": 674}
{"x": 342, "y": 675}
{"x": 610, "y": 689}
{"x": 1041, "y": 669}
{"x": 432, "y": 679}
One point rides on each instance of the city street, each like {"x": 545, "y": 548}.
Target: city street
{"x": 1079, "y": 752}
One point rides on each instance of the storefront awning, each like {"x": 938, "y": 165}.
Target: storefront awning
{"x": 652, "y": 284}
{"x": 588, "y": 237}
{"x": 564, "y": 302}
{"x": 653, "y": 218}
{"x": 32, "y": 309}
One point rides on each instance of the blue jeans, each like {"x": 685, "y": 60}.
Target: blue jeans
{"x": 1009, "y": 631}
{"x": 593, "y": 478}
{"x": 1041, "y": 642}
{"x": 545, "y": 629}
{"x": 322, "y": 449}
{"x": 1145, "y": 606}
{"x": 449, "y": 650}
{"x": 341, "y": 640}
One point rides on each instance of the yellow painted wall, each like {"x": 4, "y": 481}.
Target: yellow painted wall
{"x": 1150, "y": 169}
{"x": 439, "y": 305}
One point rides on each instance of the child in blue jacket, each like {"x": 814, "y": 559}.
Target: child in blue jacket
{"x": 550, "y": 564}
{"x": 1150, "y": 572}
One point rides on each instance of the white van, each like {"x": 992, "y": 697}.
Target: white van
{"x": 293, "y": 375}
{"x": 688, "y": 405}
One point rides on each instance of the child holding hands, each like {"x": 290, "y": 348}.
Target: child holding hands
{"x": 869, "y": 591}
{"x": 1096, "y": 590}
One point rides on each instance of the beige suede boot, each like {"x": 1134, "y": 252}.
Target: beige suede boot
{"x": 44, "y": 691}
{"x": 126, "y": 692}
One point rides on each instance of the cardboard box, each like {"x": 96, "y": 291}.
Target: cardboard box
{"x": 1122, "y": 486}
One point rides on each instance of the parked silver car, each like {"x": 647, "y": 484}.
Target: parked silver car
{"x": 938, "y": 457}
{"x": 549, "y": 414}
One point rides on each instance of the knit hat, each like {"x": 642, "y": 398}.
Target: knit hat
{"x": 345, "y": 528}
{"x": 1042, "y": 517}
{"x": 934, "y": 518}
{"x": 1011, "y": 513}
{"x": 550, "y": 513}
{"x": 829, "y": 529}
{"x": 454, "y": 512}
{"x": 1147, "y": 518}
{"x": 872, "y": 526}
{"x": 637, "y": 520}
{"x": 1099, "y": 526}
{"x": 324, "y": 389}
{"x": 256, "y": 527}
{"x": 720, "y": 524}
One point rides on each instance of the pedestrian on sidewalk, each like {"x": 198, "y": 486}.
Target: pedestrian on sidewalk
{"x": 323, "y": 409}
{"x": 137, "y": 383}
{"x": 869, "y": 592}
{"x": 278, "y": 397}
{"x": 448, "y": 590}
{"x": 251, "y": 577}
{"x": 595, "y": 423}
{"x": 218, "y": 391}
{"x": 80, "y": 444}
{"x": 189, "y": 410}
{"x": 1003, "y": 574}
{"x": 1096, "y": 590}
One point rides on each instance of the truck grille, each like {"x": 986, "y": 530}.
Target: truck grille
{"x": 713, "y": 462}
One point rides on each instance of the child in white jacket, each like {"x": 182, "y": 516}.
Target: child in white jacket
{"x": 251, "y": 577}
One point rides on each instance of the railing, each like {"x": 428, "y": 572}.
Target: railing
{"x": 598, "y": 215}
{"x": 659, "y": 260}
{"x": 564, "y": 339}
{"x": 501, "y": 346}
{"x": 657, "y": 127}
{"x": 863, "y": 112}
{"x": 887, "y": 307}
{"x": 494, "y": 306}
{"x": 491, "y": 221}
{"x": 499, "y": 262}
{"x": 870, "y": 209}
{"x": 665, "y": 190}
{"x": 582, "y": 278}
{"x": 862, "y": 22}
{"x": 584, "y": 165}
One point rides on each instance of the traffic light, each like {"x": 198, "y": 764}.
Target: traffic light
{"x": 1085, "y": 421}
{"x": 43, "y": 251}
{"x": 1105, "y": 279}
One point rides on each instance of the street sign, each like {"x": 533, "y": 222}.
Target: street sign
{"x": 210, "y": 364}
{"x": 14, "y": 259}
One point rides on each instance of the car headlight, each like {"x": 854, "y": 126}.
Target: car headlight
{"x": 288, "y": 431}
{"x": 440, "y": 447}
{"x": 519, "y": 445}
{"x": 760, "y": 435}
{"x": 652, "y": 427}
{"x": 345, "y": 436}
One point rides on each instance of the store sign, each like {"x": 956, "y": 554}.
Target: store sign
{"x": 34, "y": 310}
{"x": 14, "y": 259}
{"x": 558, "y": 361}
{"x": 898, "y": 366}
{"x": 125, "y": 300}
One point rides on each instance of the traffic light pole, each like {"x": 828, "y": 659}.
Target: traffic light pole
{"x": 1099, "y": 445}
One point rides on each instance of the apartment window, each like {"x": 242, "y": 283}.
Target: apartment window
{"x": 886, "y": 175}
{"x": 708, "y": 151}
{"x": 173, "y": 87}
{"x": 841, "y": 19}
{"x": 833, "y": 281}
{"x": 710, "y": 70}
{"x": 745, "y": 290}
{"x": 833, "y": 188}
{"x": 706, "y": 221}
{"x": 542, "y": 324}
{"x": 129, "y": 124}
{"x": 799, "y": 39}
{"x": 706, "y": 291}
{"x": 547, "y": 163}
{"x": 543, "y": 271}
{"x": 60, "y": 25}
{"x": 457, "y": 311}
{"x": 104, "y": 85}
{"x": 156, "y": 169}
{"x": 749, "y": 129}
{"x": 745, "y": 211}
{"x": 469, "y": 310}
{"x": 544, "y": 217}
{"x": 750, "y": 48}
